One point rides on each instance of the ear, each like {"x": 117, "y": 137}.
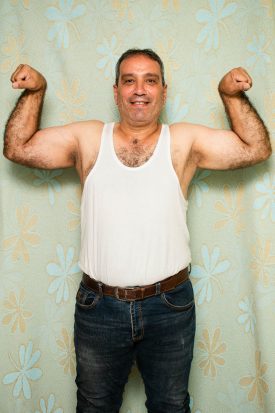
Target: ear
{"x": 115, "y": 93}
{"x": 164, "y": 93}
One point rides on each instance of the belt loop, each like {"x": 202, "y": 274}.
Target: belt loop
{"x": 100, "y": 288}
{"x": 158, "y": 288}
{"x": 116, "y": 293}
{"x": 189, "y": 268}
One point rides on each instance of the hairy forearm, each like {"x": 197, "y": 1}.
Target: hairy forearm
{"x": 247, "y": 124}
{"x": 23, "y": 122}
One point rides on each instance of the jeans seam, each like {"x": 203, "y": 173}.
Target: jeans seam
{"x": 182, "y": 308}
{"x": 132, "y": 319}
{"x": 136, "y": 337}
{"x": 141, "y": 321}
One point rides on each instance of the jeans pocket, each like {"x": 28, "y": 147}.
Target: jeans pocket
{"x": 181, "y": 298}
{"x": 86, "y": 298}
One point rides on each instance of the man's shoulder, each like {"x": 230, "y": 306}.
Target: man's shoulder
{"x": 181, "y": 130}
{"x": 92, "y": 123}
{"x": 182, "y": 126}
{"x": 87, "y": 128}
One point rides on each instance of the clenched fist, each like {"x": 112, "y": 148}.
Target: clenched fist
{"x": 25, "y": 77}
{"x": 235, "y": 81}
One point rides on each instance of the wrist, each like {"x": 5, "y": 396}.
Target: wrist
{"x": 41, "y": 88}
{"x": 38, "y": 91}
{"x": 233, "y": 98}
{"x": 230, "y": 94}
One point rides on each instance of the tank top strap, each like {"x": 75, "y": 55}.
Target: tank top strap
{"x": 107, "y": 136}
{"x": 163, "y": 153}
{"x": 105, "y": 151}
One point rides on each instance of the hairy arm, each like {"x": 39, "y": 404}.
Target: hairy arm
{"x": 248, "y": 141}
{"x": 23, "y": 141}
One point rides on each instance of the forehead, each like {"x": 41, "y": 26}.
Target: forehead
{"x": 139, "y": 64}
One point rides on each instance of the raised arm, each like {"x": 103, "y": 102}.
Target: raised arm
{"x": 23, "y": 141}
{"x": 247, "y": 144}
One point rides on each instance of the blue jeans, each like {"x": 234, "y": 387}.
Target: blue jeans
{"x": 158, "y": 332}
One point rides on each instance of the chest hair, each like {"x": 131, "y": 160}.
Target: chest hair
{"x": 135, "y": 154}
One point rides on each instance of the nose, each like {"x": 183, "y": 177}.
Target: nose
{"x": 140, "y": 88}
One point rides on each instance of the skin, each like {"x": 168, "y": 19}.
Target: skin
{"x": 140, "y": 97}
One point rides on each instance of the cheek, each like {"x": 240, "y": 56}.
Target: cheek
{"x": 122, "y": 97}
{"x": 121, "y": 102}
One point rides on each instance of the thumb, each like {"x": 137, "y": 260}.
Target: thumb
{"x": 244, "y": 86}
{"x": 16, "y": 85}
{"x": 20, "y": 77}
{"x": 19, "y": 84}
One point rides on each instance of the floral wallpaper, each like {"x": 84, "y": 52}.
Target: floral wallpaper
{"x": 231, "y": 215}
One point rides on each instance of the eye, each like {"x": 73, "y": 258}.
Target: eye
{"x": 151, "y": 81}
{"x": 128, "y": 81}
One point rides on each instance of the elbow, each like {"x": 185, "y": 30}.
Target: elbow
{"x": 7, "y": 149}
{"x": 8, "y": 152}
{"x": 10, "y": 156}
{"x": 263, "y": 154}
{"x": 267, "y": 153}
{"x": 266, "y": 148}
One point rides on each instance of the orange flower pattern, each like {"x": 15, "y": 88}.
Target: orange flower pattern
{"x": 67, "y": 352}
{"x": 263, "y": 262}
{"x": 14, "y": 51}
{"x": 231, "y": 208}
{"x": 73, "y": 100}
{"x": 24, "y": 235}
{"x": 212, "y": 350}
{"x": 17, "y": 314}
{"x": 257, "y": 384}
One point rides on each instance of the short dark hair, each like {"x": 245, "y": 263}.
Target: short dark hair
{"x": 145, "y": 52}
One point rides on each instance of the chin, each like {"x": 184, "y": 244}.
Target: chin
{"x": 143, "y": 117}
{"x": 141, "y": 120}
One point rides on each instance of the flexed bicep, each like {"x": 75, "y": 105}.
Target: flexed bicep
{"x": 248, "y": 143}
{"x": 220, "y": 149}
{"x": 50, "y": 148}
{"x": 24, "y": 143}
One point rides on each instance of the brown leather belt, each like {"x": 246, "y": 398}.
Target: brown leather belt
{"x": 136, "y": 293}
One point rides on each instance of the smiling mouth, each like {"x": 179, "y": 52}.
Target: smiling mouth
{"x": 139, "y": 103}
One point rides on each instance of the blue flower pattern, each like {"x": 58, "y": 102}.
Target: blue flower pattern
{"x": 45, "y": 177}
{"x": 48, "y": 409}
{"x": 108, "y": 51}
{"x": 175, "y": 111}
{"x": 266, "y": 202}
{"x": 62, "y": 273}
{"x": 25, "y": 372}
{"x": 63, "y": 19}
{"x": 247, "y": 317}
{"x": 212, "y": 20}
{"x": 199, "y": 186}
{"x": 259, "y": 57}
{"x": 207, "y": 274}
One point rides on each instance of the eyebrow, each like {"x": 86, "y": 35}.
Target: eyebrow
{"x": 146, "y": 75}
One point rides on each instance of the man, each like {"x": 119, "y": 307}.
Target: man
{"x": 135, "y": 300}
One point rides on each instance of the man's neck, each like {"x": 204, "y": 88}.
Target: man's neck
{"x": 136, "y": 133}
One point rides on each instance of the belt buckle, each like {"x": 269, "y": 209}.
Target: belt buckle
{"x": 125, "y": 298}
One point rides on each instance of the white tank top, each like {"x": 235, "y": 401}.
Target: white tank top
{"x": 133, "y": 219}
